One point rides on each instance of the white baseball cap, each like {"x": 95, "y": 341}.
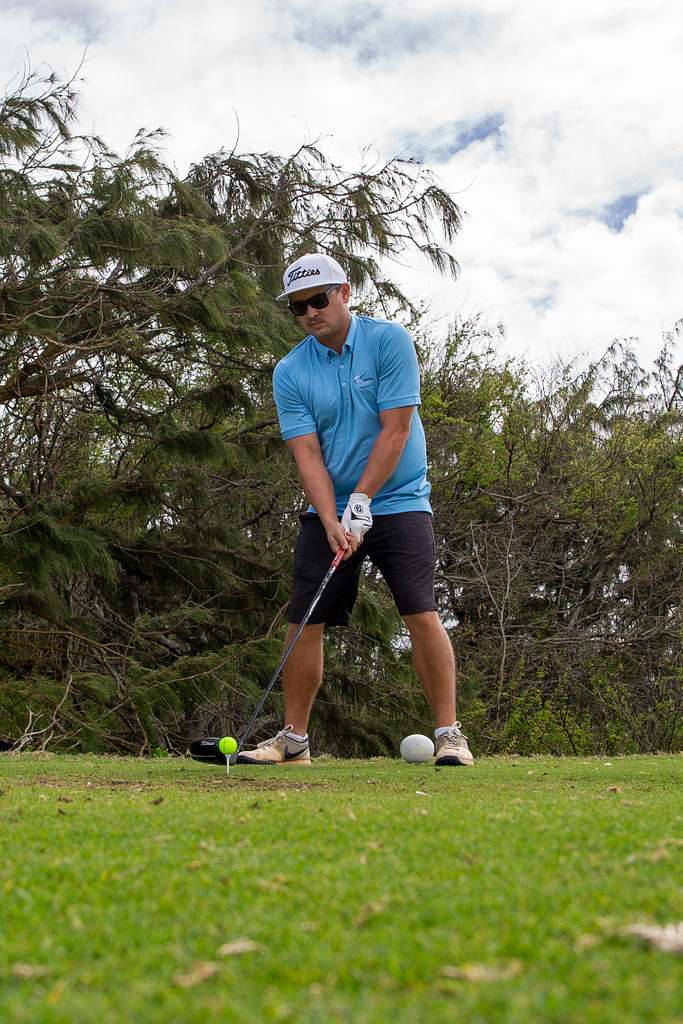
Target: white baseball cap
{"x": 311, "y": 271}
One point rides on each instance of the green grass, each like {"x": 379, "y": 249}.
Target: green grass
{"x": 366, "y": 897}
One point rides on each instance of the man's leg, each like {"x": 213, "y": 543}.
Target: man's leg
{"x": 302, "y": 675}
{"x": 403, "y": 549}
{"x": 301, "y": 678}
{"x": 434, "y": 664}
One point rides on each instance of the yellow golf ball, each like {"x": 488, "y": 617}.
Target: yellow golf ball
{"x": 227, "y": 745}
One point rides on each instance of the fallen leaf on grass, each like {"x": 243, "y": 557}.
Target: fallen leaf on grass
{"x": 56, "y": 993}
{"x": 194, "y": 864}
{"x": 159, "y": 800}
{"x": 75, "y": 921}
{"x": 29, "y": 970}
{"x": 483, "y": 972}
{"x": 668, "y": 937}
{"x": 615, "y": 789}
{"x": 583, "y": 942}
{"x": 350, "y": 813}
{"x": 271, "y": 884}
{"x": 198, "y": 973}
{"x": 239, "y": 946}
{"x": 371, "y": 909}
{"x": 660, "y": 852}
{"x": 372, "y": 847}
{"x": 421, "y": 792}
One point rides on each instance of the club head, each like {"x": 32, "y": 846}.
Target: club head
{"x": 207, "y": 751}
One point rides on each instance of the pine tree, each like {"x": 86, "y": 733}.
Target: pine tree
{"x": 147, "y": 508}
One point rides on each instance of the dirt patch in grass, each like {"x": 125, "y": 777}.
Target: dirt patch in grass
{"x": 183, "y": 785}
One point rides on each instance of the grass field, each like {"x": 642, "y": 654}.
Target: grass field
{"x": 376, "y": 891}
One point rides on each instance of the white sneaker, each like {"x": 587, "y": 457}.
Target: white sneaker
{"x": 281, "y": 749}
{"x": 451, "y": 748}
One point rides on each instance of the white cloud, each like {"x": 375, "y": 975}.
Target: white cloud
{"x": 581, "y": 99}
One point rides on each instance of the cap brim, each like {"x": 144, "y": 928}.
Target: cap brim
{"x": 322, "y": 284}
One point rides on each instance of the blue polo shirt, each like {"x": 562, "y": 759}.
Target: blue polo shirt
{"x": 340, "y": 397}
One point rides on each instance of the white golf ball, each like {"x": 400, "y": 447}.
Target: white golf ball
{"x": 417, "y": 749}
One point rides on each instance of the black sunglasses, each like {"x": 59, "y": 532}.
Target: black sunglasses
{"x": 319, "y": 301}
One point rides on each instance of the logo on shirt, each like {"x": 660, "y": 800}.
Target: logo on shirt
{"x": 362, "y": 382}
{"x": 297, "y": 273}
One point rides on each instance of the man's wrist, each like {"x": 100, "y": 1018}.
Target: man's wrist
{"x": 329, "y": 519}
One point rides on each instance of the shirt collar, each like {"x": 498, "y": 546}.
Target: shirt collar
{"x": 324, "y": 350}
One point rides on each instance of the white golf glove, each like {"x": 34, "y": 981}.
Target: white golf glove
{"x": 357, "y": 518}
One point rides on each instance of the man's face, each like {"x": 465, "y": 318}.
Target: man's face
{"x": 330, "y": 321}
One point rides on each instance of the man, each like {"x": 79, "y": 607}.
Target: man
{"x": 346, "y": 398}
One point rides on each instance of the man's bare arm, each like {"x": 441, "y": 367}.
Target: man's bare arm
{"x": 319, "y": 489}
{"x": 387, "y": 449}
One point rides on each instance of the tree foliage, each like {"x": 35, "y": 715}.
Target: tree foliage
{"x": 558, "y": 504}
{"x": 148, "y": 507}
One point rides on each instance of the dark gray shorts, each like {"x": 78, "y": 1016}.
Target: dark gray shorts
{"x": 401, "y": 546}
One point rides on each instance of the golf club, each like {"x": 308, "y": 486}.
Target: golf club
{"x": 207, "y": 749}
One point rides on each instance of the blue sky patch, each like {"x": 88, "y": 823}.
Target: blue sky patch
{"x": 374, "y": 32}
{"x": 614, "y": 214}
{"x": 446, "y": 140}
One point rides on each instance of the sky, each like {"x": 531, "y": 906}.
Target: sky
{"x": 556, "y": 127}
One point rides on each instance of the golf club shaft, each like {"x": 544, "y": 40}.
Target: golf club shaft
{"x": 290, "y": 647}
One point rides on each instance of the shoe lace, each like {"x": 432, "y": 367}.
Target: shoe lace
{"x": 274, "y": 739}
{"x": 455, "y": 733}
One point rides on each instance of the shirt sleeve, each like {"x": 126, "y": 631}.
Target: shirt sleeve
{"x": 398, "y": 381}
{"x": 294, "y": 415}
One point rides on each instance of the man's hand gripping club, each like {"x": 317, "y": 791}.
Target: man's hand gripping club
{"x": 356, "y": 520}
{"x": 355, "y": 523}
{"x": 357, "y": 517}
